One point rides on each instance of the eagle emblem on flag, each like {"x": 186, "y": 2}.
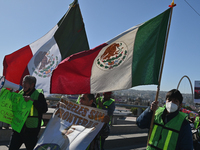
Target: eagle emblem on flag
{"x": 113, "y": 56}
{"x": 44, "y": 63}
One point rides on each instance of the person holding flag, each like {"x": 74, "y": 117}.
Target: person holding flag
{"x": 170, "y": 129}
{"x": 32, "y": 125}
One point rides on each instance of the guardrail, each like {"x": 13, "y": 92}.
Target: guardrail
{"x": 5, "y": 133}
{"x": 122, "y": 105}
{"x": 126, "y": 105}
{"x": 115, "y": 116}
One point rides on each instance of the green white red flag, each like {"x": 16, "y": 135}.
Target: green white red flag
{"x": 41, "y": 57}
{"x": 130, "y": 59}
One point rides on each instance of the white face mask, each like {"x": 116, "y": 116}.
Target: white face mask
{"x": 171, "y": 107}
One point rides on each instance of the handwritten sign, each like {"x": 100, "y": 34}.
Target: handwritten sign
{"x": 72, "y": 126}
{"x": 13, "y": 109}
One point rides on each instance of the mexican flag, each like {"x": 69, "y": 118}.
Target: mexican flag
{"x": 130, "y": 59}
{"x": 41, "y": 57}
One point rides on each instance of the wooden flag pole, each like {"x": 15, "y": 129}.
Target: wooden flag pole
{"x": 162, "y": 64}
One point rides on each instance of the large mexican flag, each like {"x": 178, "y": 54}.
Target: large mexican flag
{"x": 41, "y": 57}
{"x": 130, "y": 59}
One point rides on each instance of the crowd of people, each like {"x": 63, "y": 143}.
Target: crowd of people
{"x": 31, "y": 128}
{"x": 169, "y": 128}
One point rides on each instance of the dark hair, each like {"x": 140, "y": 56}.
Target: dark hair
{"x": 30, "y": 79}
{"x": 174, "y": 93}
{"x": 91, "y": 97}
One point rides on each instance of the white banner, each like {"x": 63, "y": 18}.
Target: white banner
{"x": 72, "y": 127}
{"x": 197, "y": 92}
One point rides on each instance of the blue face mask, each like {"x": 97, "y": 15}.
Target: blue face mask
{"x": 171, "y": 107}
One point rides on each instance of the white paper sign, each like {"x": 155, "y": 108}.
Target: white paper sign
{"x": 72, "y": 127}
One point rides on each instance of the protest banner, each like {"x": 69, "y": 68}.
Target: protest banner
{"x": 13, "y": 109}
{"x": 72, "y": 126}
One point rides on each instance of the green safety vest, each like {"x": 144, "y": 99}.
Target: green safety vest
{"x": 165, "y": 136}
{"x": 196, "y": 122}
{"x": 106, "y": 104}
{"x": 32, "y": 120}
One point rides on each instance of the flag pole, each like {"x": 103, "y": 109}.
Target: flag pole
{"x": 162, "y": 64}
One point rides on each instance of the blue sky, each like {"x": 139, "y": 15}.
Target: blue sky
{"x": 23, "y": 22}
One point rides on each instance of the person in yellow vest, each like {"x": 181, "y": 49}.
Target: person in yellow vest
{"x": 196, "y": 121}
{"x": 106, "y": 103}
{"x": 32, "y": 125}
{"x": 196, "y": 133}
{"x": 97, "y": 95}
{"x": 171, "y": 130}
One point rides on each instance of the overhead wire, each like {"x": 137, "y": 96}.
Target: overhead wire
{"x": 192, "y": 7}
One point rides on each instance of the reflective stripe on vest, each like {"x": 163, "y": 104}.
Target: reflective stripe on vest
{"x": 97, "y": 102}
{"x": 165, "y": 136}
{"x": 167, "y": 140}
{"x": 78, "y": 99}
{"x": 196, "y": 122}
{"x": 32, "y": 110}
{"x": 108, "y": 103}
{"x": 105, "y": 104}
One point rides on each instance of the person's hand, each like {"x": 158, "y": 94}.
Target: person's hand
{"x": 27, "y": 98}
{"x": 154, "y": 105}
{"x": 57, "y": 105}
{"x": 106, "y": 119}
